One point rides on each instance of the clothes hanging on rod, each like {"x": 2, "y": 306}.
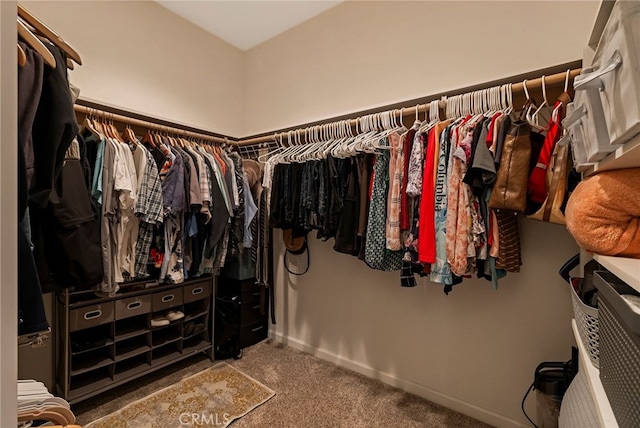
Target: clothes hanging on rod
{"x": 46, "y": 128}
{"x": 170, "y": 208}
{"x": 428, "y": 200}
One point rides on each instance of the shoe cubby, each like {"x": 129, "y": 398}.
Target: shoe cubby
{"x": 131, "y": 327}
{"x": 84, "y": 383}
{"x": 87, "y": 340}
{"x": 164, "y": 335}
{"x": 131, "y": 347}
{"x": 132, "y": 366}
{"x": 105, "y": 342}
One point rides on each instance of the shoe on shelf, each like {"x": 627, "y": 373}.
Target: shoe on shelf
{"x": 174, "y": 315}
{"x": 188, "y": 328}
{"x": 198, "y": 328}
{"x": 160, "y": 322}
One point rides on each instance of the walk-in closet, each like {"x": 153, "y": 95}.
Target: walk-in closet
{"x": 320, "y": 214}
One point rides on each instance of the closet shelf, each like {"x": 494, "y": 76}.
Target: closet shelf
{"x": 627, "y": 269}
{"x": 91, "y": 364}
{"x": 134, "y": 331}
{"x": 603, "y": 408}
{"x": 625, "y": 156}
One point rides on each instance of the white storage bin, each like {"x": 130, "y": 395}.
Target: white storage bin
{"x": 586, "y": 319}
{"x": 614, "y": 78}
{"x": 589, "y": 142}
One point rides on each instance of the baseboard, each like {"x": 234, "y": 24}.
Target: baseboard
{"x": 411, "y": 387}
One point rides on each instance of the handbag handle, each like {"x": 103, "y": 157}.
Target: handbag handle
{"x": 593, "y": 80}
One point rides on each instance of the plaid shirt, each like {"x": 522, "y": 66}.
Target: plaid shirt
{"x": 149, "y": 205}
{"x": 149, "y": 210}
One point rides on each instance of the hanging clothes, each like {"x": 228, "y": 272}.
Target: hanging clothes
{"x": 174, "y": 204}
{"x": 396, "y": 172}
{"x": 440, "y": 269}
{"x": 537, "y": 185}
{"x": 347, "y": 234}
{"x": 31, "y": 315}
{"x": 149, "y": 209}
{"x": 376, "y": 254}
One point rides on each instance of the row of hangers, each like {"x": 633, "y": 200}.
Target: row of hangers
{"x": 35, "y": 33}
{"x": 338, "y": 139}
{"x": 101, "y": 125}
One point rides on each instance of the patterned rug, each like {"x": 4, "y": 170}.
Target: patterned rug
{"x": 212, "y": 398}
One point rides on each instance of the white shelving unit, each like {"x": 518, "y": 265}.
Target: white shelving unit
{"x": 625, "y": 156}
{"x": 627, "y": 269}
{"x": 606, "y": 417}
{"x": 624, "y": 268}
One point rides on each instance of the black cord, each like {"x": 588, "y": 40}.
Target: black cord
{"x": 522, "y": 405}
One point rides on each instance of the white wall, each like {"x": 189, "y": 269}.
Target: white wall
{"x": 476, "y": 349}
{"x": 361, "y": 55}
{"x": 144, "y": 58}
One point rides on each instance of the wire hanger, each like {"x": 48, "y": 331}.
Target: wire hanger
{"x": 529, "y": 105}
{"x": 534, "y": 119}
{"x": 36, "y": 44}
{"x": 45, "y": 31}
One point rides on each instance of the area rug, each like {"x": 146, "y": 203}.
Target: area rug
{"x": 215, "y": 397}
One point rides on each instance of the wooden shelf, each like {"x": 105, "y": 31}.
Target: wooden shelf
{"x": 603, "y": 408}
{"x": 628, "y": 270}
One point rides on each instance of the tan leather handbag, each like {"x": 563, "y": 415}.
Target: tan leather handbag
{"x": 510, "y": 189}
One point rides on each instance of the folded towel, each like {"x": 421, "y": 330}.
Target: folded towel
{"x": 603, "y": 213}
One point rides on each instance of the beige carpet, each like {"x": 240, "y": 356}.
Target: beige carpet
{"x": 215, "y": 397}
{"x": 310, "y": 393}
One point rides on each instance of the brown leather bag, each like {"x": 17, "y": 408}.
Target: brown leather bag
{"x": 510, "y": 189}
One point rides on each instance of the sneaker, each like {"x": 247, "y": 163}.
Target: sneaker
{"x": 174, "y": 315}
{"x": 159, "y": 322}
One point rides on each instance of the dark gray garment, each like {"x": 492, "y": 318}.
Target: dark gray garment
{"x": 29, "y": 91}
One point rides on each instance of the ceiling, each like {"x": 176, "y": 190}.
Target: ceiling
{"x": 246, "y": 24}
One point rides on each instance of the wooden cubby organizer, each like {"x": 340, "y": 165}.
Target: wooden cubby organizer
{"x": 105, "y": 342}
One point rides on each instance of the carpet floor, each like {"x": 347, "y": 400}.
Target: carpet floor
{"x": 310, "y": 392}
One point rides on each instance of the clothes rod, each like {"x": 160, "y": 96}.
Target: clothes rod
{"x": 90, "y": 111}
{"x": 552, "y": 80}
